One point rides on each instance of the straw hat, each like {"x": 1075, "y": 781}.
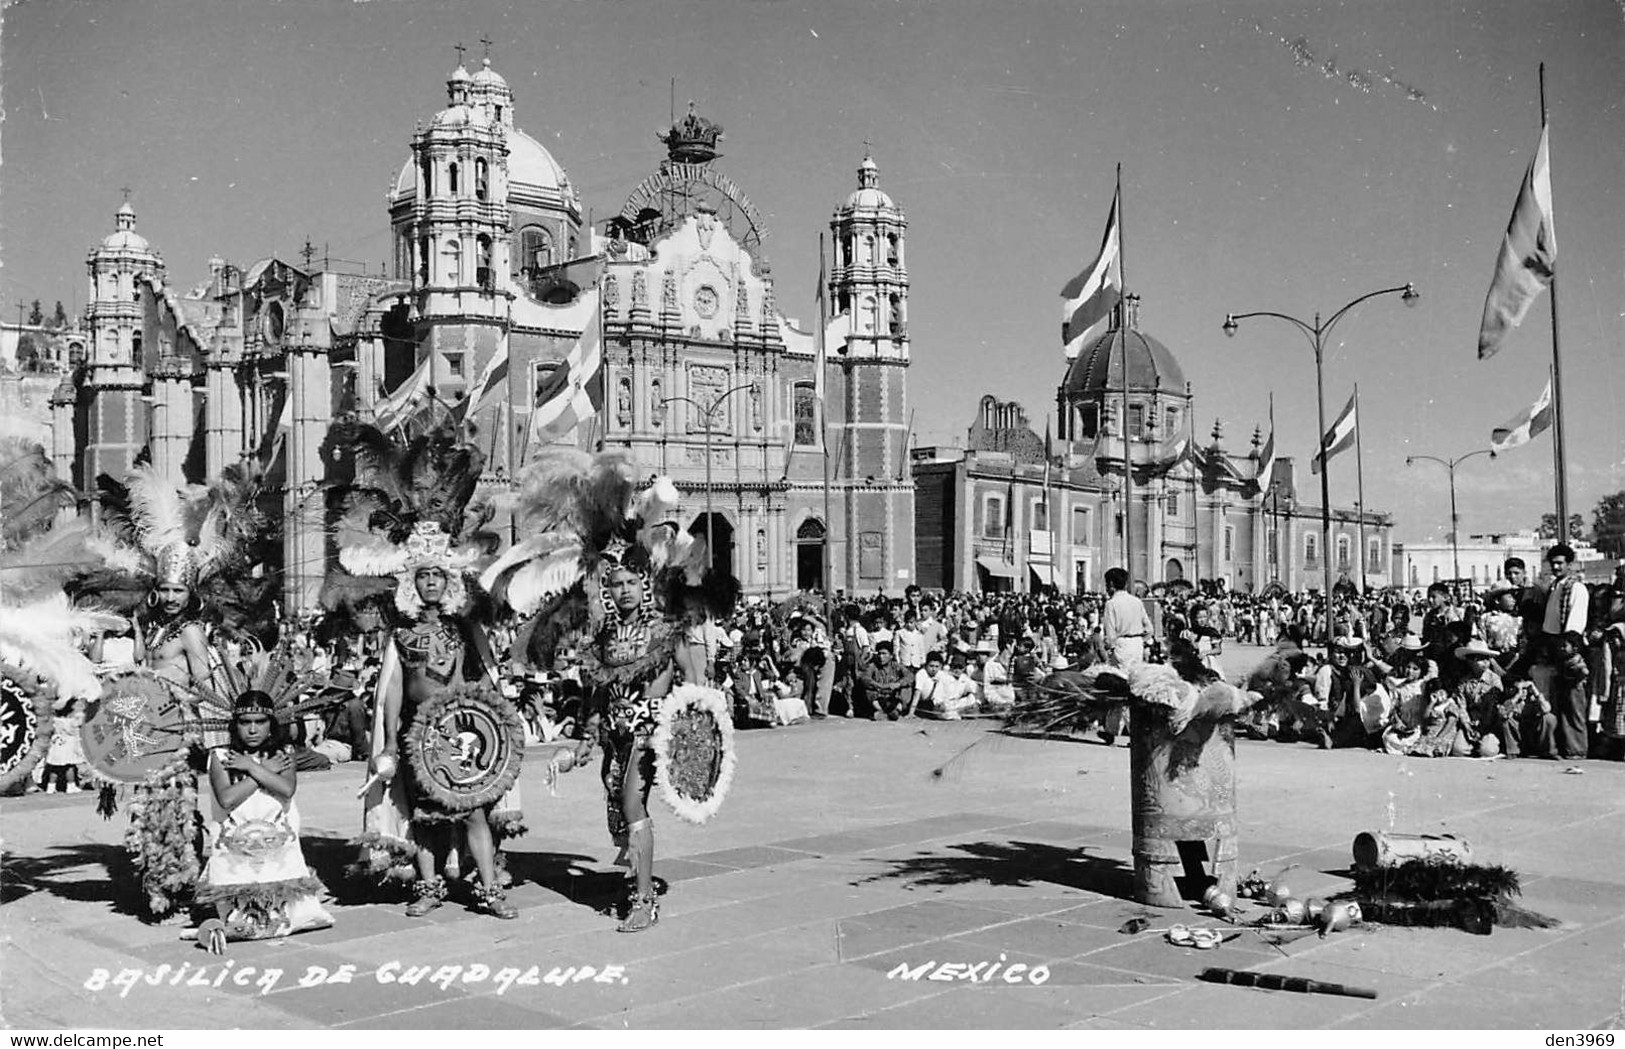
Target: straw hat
{"x": 1412, "y": 643}
{"x": 1060, "y": 662}
{"x": 987, "y": 645}
{"x": 1475, "y": 649}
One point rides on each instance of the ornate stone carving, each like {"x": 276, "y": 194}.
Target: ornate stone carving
{"x": 756, "y": 408}
{"x": 657, "y": 404}
{"x": 623, "y": 401}
{"x": 640, "y": 290}
{"x": 612, "y": 292}
{"x": 668, "y": 293}
{"x": 706, "y": 383}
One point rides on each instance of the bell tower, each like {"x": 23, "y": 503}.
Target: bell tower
{"x": 116, "y": 422}
{"x": 869, "y": 287}
{"x": 459, "y": 227}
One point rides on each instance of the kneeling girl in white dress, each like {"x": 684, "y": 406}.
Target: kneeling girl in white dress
{"x": 256, "y": 877}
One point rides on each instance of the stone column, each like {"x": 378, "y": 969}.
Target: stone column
{"x": 304, "y": 539}
{"x": 172, "y": 418}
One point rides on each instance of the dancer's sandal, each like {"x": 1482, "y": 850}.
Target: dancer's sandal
{"x": 430, "y": 893}
{"x": 1180, "y": 936}
{"x": 644, "y": 913}
{"x": 1206, "y": 939}
{"x": 493, "y": 902}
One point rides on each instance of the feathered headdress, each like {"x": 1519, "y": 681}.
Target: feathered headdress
{"x": 201, "y": 537}
{"x": 410, "y": 509}
{"x": 285, "y": 675}
{"x": 583, "y": 514}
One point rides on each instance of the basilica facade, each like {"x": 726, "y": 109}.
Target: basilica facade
{"x": 495, "y": 272}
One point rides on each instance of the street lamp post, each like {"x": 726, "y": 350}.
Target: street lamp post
{"x": 1455, "y": 520}
{"x": 1316, "y": 334}
{"x": 708, "y": 413}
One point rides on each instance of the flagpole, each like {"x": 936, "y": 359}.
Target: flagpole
{"x": 1122, "y": 341}
{"x": 822, "y": 362}
{"x": 601, "y": 417}
{"x": 1559, "y": 449}
{"x": 1275, "y": 497}
{"x": 1049, "y": 506}
{"x": 1359, "y": 497}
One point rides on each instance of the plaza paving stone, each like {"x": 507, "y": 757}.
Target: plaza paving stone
{"x": 839, "y": 858}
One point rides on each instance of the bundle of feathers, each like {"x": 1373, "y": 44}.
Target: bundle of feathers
{"x": 1441, "y": 891}
{"x": 43, "y": 637}
{"x": 30, "y": 491}
{"x": 573, "y": 509}
{"x": 1070, "y": 701}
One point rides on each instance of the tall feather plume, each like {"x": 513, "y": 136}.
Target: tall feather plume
{"x": 157, "y": 510}
{"x": 41, "y": 637}
{"x": 30, "y": 491}
{"x": 47, "y": 561}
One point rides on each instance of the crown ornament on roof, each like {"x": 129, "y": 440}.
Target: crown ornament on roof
{"x": 692, "y": 140}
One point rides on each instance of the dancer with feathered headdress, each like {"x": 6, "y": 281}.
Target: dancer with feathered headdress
{"x": 599, "y": 553}
{"x": 446, "y": 745}
{"x": 184, "y": 557}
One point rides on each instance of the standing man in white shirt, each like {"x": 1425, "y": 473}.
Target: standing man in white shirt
{"x": 1125, "y": 624}
{"x": 1567, "y": 604}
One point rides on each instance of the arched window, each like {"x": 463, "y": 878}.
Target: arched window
{"x": 867, "y": 322}
{"x": 805, "y": 411}
{"x": 846, "y": 249}
{"x": 1080, "y": 526}
{"x": 1040, "y": 515}
{"x": 1171, "y": 416}
{"x": 1173, "y": 504}
{"x": 1311, "y": 547}
{"x": 454, "y": 263}
{"x": 451, "y": 177}
{"x": 423, "y": 260}
{"x": 1373, "y": 555}
{"x": 535, "y": 248}
{"x": 482, "y": 179}
{"x": 1088, "y": 420}
{"x": 894, "y": 323}
{"x": 426, "y": 170}
{"x": 1344, "y": 552}
{"x": 483, "y": 274}
{"x": 1136, "y": 420}
{"x": 868, "y": 249}
{"x": 891, "y": 249}
{"x": 1229, "y": 542}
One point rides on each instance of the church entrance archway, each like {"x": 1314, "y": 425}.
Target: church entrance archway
{"x": 722, "y": 541}
{"x": 1173, "y": 571}
{"x": 810, "y": 538}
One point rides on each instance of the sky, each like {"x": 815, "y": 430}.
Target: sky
{"x": 1276, "y": 156}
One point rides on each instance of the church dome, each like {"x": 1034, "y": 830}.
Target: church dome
{"x": 125, "y": 238}
{"x": 530, "y": 165}
{"x": 869, "y": 194}
{"x": 488, "y": 77}
{"x": 1098, "y": 367}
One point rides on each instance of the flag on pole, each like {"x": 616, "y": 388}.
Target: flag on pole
{"x": 490, "y": 380}
{"x": 1528, "y": 254}
{"x": 1526, "y": 425}
{"x": 1338, "y": 439}
{"x": 574, "y": 393}
{"x": 394, "y": 409}
{"x": 1049, "y": 457}
{"x": 820, "y": 350}
{"x": 1266, "y": 461}
{"x": 1091, "y": 296}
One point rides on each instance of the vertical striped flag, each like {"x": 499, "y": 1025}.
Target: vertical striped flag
{"x": 574, "y": 393}
{"x": 1266, "y": 460}
{"x": 395, "y": 408}
{"x": 1338, "y": 439}
{"x": 1091, "y": 296}
{"x": 1528, "y": 255}
{"x": 491, "y": 379}
{"x": 1528, "y": 424}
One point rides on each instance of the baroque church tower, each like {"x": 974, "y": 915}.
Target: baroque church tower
{"x": 115, "y": 417}
{"x": 869, "y": 285}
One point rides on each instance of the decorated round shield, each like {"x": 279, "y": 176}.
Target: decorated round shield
{"x": 25, "y": 723}
{"x": 136, "y": 728}
{"x": 694, "y": 751}
{"x": 465, "y": 746}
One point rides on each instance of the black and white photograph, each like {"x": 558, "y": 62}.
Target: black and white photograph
{"x": 743, "y": 515}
